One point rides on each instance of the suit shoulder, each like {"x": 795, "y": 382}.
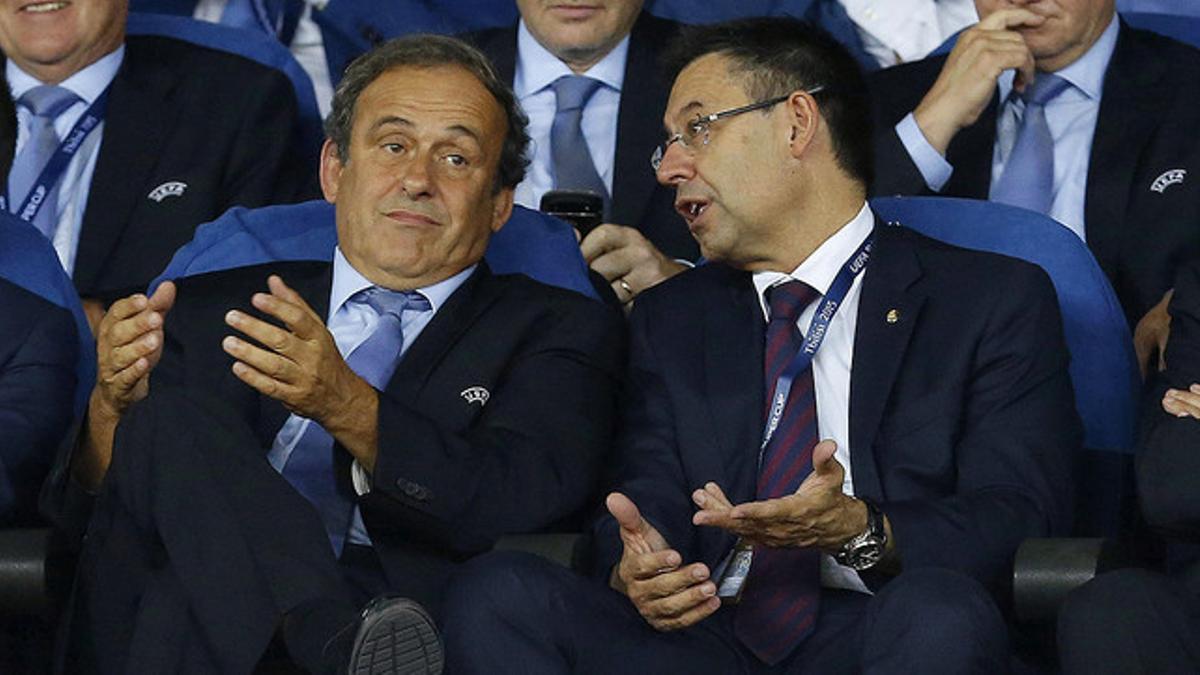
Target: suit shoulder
{"x": 245, "y": 280}
{"x": 198, "y": 62}
{"x": 521, "y": 290}
{"x": 968, "y": 268}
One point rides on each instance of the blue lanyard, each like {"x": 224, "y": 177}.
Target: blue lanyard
{"x": 92, "y": 117}
{"x": 815, "y": 336}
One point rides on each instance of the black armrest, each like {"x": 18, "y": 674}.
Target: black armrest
{"x": 561, "y": 548}
{"x": 24, "y": 561}
{"x": 1046, "y": 570}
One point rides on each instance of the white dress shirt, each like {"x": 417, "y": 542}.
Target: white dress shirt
{"x": 1071, "y": 117}
{"x": 899, "y": 31}
{"x": 76, "y": 181}
{"x": 351, "y": 323}
{"x": 536, "y": 70}
{"x": 832, "y": 364}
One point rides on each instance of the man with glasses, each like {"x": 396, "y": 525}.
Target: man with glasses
{"x": 736, "y": 542}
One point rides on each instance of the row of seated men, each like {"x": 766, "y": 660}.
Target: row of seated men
{"x": 514, "y": 462}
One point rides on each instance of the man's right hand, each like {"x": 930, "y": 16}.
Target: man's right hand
{"x": 968, "y": 79}
{"x": 129, "y": 343}
{"x": 668, "y": 594}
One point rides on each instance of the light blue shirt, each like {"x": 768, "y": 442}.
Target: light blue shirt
{"x": 536, "y": 70}
{"x": 351, "y": 323}
{"x": 76, "y": 182}
{"x": 1071, "y": 117}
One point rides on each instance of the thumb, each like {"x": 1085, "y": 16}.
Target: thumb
{"x": 823, "y": 461}
{"x": 163, "y": 298}
{"x": 626, "y": 512}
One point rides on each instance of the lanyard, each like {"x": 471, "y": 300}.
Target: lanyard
{"x": 815, "y": 336}
{"x": 58, "y": 162}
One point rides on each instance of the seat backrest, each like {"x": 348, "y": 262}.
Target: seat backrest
{"x": 1103, "y": 366}
{"x": 247, "y": 44}
{"x": 530, "y": 243}
{"x": 1183, "y": 28}
{"x": 28, "y": 260}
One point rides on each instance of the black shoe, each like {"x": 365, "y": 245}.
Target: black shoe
{"x": 396, "y": 635}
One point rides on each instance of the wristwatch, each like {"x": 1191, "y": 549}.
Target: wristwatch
{"x": 865, "y": 550}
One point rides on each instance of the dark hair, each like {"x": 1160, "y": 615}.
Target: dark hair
{"x": 778, "y": 55}
{"x": 427, "y": 51}
{"x": 8, "y": 128}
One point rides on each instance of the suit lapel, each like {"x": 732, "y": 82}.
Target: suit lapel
{"x": 970, "y": 153}
{"x": 453, "y": 319}
{"x": 1129, "y": 114}
{"x": 733, "y": 354}
{"x": 638, "y": 131}
{"x": 139, "y": 108}
{"x": 879, "y": 347}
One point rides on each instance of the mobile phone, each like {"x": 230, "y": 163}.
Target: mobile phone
{"x": 582, "y": 208}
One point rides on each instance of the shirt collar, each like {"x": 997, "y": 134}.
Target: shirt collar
{"x": 1087, "y": 72}
{"x": 347, "y": 281}
{"x": 822, "y": 265}
{"x": 537, "y": 68}
{"x": 87, "y": 84}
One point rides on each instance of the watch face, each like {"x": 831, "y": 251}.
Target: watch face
{"x": 864, "y": 555}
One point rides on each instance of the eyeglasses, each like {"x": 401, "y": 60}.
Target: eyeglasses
{"x": 695, "y": 133}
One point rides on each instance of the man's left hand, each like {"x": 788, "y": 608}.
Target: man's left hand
{"x": 302, "y": 368}
{"x": 818, "y": 515}
{"x": 627, "y": 260}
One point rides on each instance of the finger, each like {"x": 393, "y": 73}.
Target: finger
{"x": 822, "y": 458}
{"x": 601, "y": 239}
{"x": 1005, "y": 19}
{"x": 1026, "y": 71}
{"x": 614, "y": 264}
{"x": 122, "y": 381}
{"x": 124, "y": 308}
{"x": 163, "y": 298}
{"x": 666, "y": 584}
{"x": 682, "y": 602}
{"x": 273, "y": 365}
{"x": 691, "y": 617}
{"x": 123, "y": 356}
{"x": 761, "y": 510}
{"x": 270, "y": 336}
{"x": 285, "y": 304}
{"x": 626, "y": 513}
{"x": 717, "y": 493}
{"x": 1182, "y": 403}
{"x": 261, "y": 382}
{"x": 646, "y": 566}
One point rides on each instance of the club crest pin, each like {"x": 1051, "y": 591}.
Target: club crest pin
{"x": 475, "y": 395}
{"x": 892, "y": 316}
{"x": 172, "y": 188}
{"x": 1168, "y": 178}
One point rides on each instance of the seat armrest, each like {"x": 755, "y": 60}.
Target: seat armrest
{"x": 23, "y": 564}
{"x": 1046, "y": 570}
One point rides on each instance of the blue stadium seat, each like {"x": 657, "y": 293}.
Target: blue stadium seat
{"x": 28, "y": 260}
{"x": 1103, "y": 367}
{"x": 258, "y": 48}
{"x": 530, "y": 243}
{"x": 1183, "y": 28}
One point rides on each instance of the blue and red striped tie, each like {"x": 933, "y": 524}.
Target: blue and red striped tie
{"x": 778, "y": 608}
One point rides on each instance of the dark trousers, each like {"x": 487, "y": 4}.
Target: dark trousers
{"x": 511, "y": 612}
{"x": 1130, "y": 621}
{"x": 198, "y": 549}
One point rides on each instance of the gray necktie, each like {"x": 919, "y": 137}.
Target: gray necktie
{"x": 46, "y": 102}
{"x": 573, "y": 165}
{"x": 310, "y": 467}
{"x": 1028, "y": 177}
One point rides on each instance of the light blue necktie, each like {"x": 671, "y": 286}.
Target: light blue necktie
{"x": 573, "y": 165}
{"x": 46, "y": 102}
{"x": 1028, "y": 177}
{"x": 310, "y": 467}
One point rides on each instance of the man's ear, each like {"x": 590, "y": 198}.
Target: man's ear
{"x": 804, "y": 118}
{"x": 331, "y": 170}
{"x": 502, "y": 208}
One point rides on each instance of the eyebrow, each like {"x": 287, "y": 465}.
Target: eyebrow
{"x": 396, "y": 120}
{"x": 683, "y": 112}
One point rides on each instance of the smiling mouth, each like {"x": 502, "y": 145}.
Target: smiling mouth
{"x": 44, "y": 7}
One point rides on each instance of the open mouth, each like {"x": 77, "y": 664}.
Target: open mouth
{"x": 44, "y": 7}
{"x": 691, "y": 208}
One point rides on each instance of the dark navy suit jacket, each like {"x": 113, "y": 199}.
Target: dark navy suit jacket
{"x": 962, "y": 425}
{"x": 1140, "y": 225}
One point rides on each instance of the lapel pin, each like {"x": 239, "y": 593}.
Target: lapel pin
{"x": 893, "y": 316}
{"x": 169, "y": 189}
{"x": 1167, "y": 179}
{"x": 475, "y": 395}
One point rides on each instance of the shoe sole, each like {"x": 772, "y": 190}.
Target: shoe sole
{"x": 401, "y": 640}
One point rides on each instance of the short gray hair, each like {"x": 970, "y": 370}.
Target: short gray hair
{"x": 427, "y": 51}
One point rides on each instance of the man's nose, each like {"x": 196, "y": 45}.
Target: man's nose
{"x": 677, "y": 165}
